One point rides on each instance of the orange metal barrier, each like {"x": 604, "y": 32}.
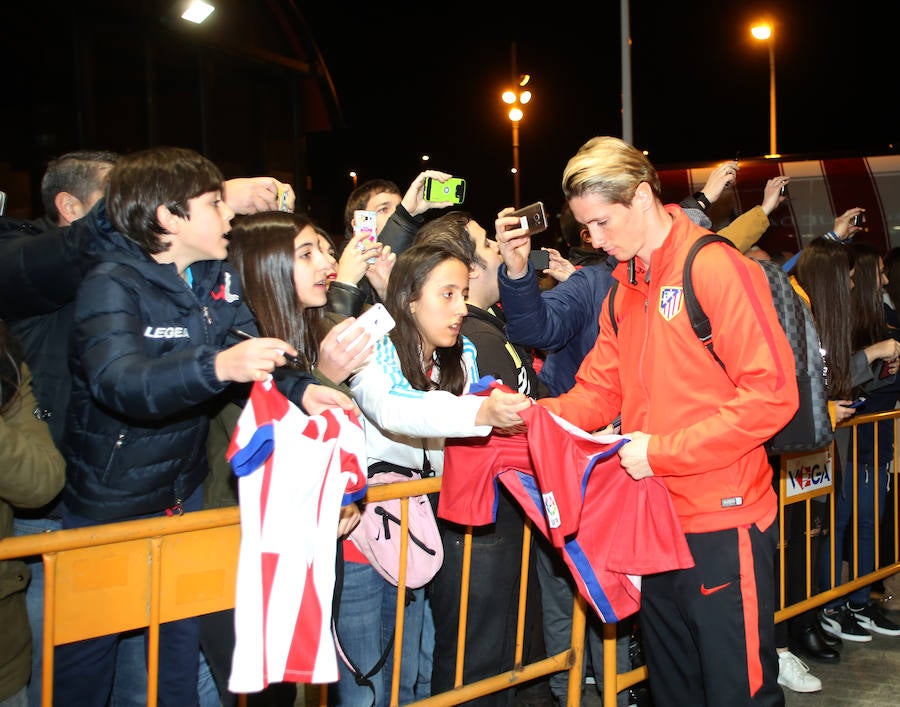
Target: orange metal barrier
{"x": 111, "y": 578}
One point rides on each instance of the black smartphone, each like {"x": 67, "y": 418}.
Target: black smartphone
{"x": 784, "y": 189}
{"x": 533, "y": 217}
{"x": 540, "y": 259}
{"x": 859, "y": 219}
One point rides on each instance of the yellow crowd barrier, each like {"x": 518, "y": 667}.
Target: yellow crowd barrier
{"x": 117, "y": 577}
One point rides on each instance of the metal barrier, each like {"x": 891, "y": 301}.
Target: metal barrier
{"x": 112, "y": 578}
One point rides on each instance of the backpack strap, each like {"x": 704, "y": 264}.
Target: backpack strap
{"x": 699, "y": 319}
{"x": 362, "y": 679}
{"x": 611, "y": 306}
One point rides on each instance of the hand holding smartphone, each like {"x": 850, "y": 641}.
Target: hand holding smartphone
{"x": 376, "y": 321}
{"x": 364, "y": 223}
{"x": 532, "y": 217}
{"x": 453, "y": 190}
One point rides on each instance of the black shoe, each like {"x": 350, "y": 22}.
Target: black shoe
{"x": 827, "y": 638}
{"x": 810, "y": 645}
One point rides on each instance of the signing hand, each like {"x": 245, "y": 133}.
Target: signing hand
{"x": 252, "y": 360}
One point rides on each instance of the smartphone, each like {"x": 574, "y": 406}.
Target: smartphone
{"x": 540, "y": 259}
{"x": 533, "y": 217}
{"x": 364, "y": 222}
{"x": 856, "y": 403}
{"x": 376, "y": 321}
{"x": 859, "y": 219}
{"x": 283, "y": 199}
{"x": 453, "y": 190}
{"x": 784, "y": 189}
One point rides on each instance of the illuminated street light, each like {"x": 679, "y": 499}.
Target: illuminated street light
{"x": 197, "y": 12}
{"x": 765, "y": 33}
{"x": 516, "y": 98}
{"x": 353, "y": 177}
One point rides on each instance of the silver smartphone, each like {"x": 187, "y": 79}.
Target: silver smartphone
{"x": 533, "y": 217}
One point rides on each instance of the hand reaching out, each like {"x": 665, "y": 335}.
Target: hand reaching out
{"x": 501, "y": 410}
{"x": 414, "y": 199}
{"x": 514, "y": 242}
{"x": 560, "y": 267}
{"x": 720, "y": 179}
{"x": 354, "y": 260}
{"x": 250, "y": 195}
{"x": 379, "y": 271}
{"x": 339, "y": 359}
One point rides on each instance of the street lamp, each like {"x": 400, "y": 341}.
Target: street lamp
{"x": 765, "y": 32}
{"x": 515, "y": 98}
{"x": 354, "y": 178}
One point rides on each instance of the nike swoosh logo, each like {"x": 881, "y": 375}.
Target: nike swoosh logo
{"x": 712, "y": 590}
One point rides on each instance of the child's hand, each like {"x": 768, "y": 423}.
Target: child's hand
{"x": 252, "y": 360}
{"x": 349, "y": 519}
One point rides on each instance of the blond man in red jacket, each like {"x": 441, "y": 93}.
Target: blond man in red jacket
{"x": 708, "y": 631}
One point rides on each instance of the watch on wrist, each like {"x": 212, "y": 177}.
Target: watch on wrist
{"x": 701, "y": 199}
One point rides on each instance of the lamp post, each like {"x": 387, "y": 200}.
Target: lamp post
{"x": 515, "y": 98}
{"x": 764, "y": 32}
{"x": 354, "y": 178}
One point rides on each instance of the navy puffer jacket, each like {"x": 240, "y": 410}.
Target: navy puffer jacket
{"x": 143, "y": 375}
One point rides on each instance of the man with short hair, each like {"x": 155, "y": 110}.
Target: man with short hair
{"x": 708, "y": 631}
{"x": 73, "y": 183}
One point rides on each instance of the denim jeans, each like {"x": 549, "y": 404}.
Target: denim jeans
{"x": 366, "y": 614}
{"x": 130, "y": 681}
{"x": 84, "y": 670}
{"x": 19, "y": 699}
{"x": 34, "y": 600}
{"x": 865, "y": 521}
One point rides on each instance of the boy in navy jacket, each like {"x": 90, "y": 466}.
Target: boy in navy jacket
{"x": 152, "y": 347}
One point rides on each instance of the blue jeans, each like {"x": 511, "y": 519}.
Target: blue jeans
{"x": 34, "y": 600}
{"x": 865, "y": 522}
{"x": 365, "y": 624}
{"x": 84, "y": 670}
{"x": 130, "y": 681}
{"x": 19, "y": 699}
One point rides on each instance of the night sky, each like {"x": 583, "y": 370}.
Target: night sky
{"x": 700, "y": 87}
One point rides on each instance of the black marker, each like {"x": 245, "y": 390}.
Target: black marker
{"x": 244, "y": 335}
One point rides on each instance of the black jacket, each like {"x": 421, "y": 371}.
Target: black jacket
{"x": 497, "y": 357}
{"x": 143, "y": 376}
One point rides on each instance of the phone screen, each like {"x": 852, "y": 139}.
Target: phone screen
{"x": 540, "y": 259}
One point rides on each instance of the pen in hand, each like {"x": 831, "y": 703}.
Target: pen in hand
{"x": 244, "y": 335}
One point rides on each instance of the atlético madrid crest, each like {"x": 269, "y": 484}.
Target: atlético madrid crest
{"x": 670, "y": 299}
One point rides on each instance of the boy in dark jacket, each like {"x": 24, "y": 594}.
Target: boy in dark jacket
{"x": 152, "y": 346}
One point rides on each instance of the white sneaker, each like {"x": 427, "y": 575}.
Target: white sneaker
{"x": 794, "y": 674}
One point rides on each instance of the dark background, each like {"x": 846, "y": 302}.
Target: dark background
{"x": 425, "y": 78}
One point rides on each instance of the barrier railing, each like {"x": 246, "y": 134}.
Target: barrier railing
{"x": 117, "y": 577}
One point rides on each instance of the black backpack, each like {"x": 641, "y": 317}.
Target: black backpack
{"x": 810, "y": 428}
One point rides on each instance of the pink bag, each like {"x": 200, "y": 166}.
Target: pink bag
{"x": 378, "y": 535}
